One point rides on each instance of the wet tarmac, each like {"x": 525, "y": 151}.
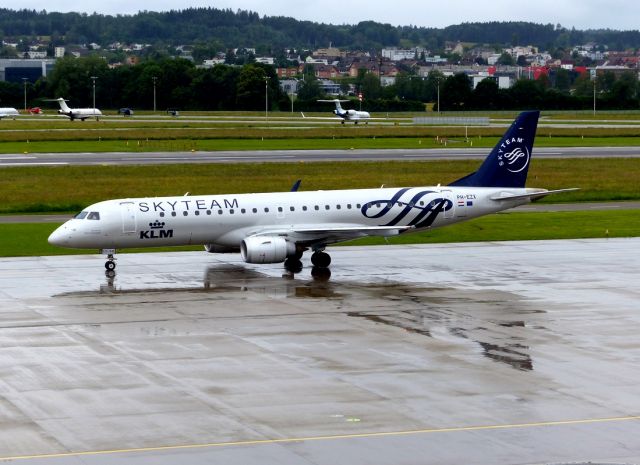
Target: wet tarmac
{"x": 484, "y": 353}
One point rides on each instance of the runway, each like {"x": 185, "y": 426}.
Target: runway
{"x": 484, "y": 353}
{"x": 295, "y": 156}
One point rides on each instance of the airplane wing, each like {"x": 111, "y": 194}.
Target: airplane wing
{"x": 327, "y": 233}
{"x": 505, "y": 196}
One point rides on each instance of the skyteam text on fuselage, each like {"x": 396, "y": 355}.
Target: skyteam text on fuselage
{"x": 280, "y": 227}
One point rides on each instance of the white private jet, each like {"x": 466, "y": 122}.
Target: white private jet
{"x": 279, "y": 227}
{"x": 77, "y": 113}
{"x": 348, "y": 115}
{"x": 8, "y": 112}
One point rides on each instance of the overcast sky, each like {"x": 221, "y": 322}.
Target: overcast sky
{"x": 581, "y": 14}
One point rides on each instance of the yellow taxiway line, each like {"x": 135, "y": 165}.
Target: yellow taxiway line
{"x": 328, "y": 437}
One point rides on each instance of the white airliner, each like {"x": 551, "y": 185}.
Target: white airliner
{"x": 348, "y": 115}
{"x": 77, "y": 113}
{"x": 279, "y": 227}
{"x": 8, "y": 112}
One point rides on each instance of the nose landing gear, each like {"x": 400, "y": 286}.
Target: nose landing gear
{"x": 110, "y": 264}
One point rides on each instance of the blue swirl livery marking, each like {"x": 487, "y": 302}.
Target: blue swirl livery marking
{"x": 395, "y": 210}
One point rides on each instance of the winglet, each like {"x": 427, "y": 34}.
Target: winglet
{"x": 296, "y": 185}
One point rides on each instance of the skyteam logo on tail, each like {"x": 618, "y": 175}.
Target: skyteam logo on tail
{"x": 517, "y": 158}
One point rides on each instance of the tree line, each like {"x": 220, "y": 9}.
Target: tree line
{"x": 178, "y": 83}
{"x": 226, "y": 29}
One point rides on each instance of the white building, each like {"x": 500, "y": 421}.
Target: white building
{"x": 58, "y": 52}
{"x": 396, "y": 54}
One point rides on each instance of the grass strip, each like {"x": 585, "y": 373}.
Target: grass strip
{"x": 71, "y": 188}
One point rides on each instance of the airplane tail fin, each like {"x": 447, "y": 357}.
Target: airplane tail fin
{"x": 338, "y": 106}
{"x": 63, "y": 105}
{"x": 508, "y": 163}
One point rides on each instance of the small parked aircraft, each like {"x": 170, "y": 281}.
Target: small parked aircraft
{"x": 77, "y": 113}
{"x": 7, "y": 112}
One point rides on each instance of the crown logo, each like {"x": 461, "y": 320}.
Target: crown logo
{"x": 156, "y": 225}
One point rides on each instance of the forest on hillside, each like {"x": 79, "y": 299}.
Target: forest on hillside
{"x": 225, "y": 28}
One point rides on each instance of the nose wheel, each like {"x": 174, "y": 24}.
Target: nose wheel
{"x": 110, "y": 264}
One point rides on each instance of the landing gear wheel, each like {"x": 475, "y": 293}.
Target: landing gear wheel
{"x": 110, "y": 265}
{"x": 293, "y": 265}
{"x": 320, "y": 274}
{"x": 321, "y": 259}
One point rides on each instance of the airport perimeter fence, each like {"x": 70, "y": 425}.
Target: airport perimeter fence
{"x": 452, "y": 120}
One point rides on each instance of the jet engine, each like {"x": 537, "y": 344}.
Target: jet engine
{"x": 266, "y": 249}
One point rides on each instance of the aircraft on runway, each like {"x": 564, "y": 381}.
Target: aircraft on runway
{"x": 7, "y": 112}
{"x": 280, "y": 227}
{"x": 77, "y": 113}
{"x": 348, "y": 115}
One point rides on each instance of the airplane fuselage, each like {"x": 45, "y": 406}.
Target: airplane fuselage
{"x": 81, "y": 113}
{"x": 8, "y": 112}
{"x": 352, "y": 115}
{"x": 224, "y": 221}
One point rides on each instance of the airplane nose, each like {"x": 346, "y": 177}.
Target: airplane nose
{"x": 59, "y": 237}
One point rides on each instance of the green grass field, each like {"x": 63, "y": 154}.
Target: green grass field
{"x": 28, "y": 239}
{"x": 145, "y": 143}
{"x": 71, "y": 188}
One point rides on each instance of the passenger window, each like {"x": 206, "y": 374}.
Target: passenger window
{"x": 255, "y": 210}
{"x": 93, "y": 216}
{"x": 161, "y": 214}
{"x": 358, "y": 206}
{"x": 231, "y": 211}
{"x": 279, "y": 209}
{"x": 173, "y": 213}
{"x": 185, "y": 213}
{"x": 197, "y": 213}
{"x": 304, "y": 208}
{"x": 338, "y": 207}
{"x": 80, "y": 216}
{"x": 292, "y": 208}
{"x": 326, "y": 207}
{"x": 317, "y": 207}
{"x": 266, "y": 210}
{"x": 208, "y": 212}
{"x": 219, "y": 212}
{"x": 243, "y": 211}
{"x": 349, "y": 206}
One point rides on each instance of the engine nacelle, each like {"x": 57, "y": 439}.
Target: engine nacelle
{"x": 266, "y": 249}
{"x": 215, "y": 248}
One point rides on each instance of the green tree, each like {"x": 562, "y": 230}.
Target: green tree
{"x": 371, "y": 88}
{"x": 456, "y": 92}
{"x": 563, "y": 80}
{"x": 251, "y": 88}
{"x": 506, "y": 59}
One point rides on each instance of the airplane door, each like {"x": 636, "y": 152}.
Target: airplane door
{"x": 128, "y": 217}
{"x": 448, "y": 214}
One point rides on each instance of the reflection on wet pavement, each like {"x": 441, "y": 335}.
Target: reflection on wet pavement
{"x": 461, "y": 314}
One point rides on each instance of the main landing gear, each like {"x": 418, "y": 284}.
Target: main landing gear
{"x": 319, "y": 259}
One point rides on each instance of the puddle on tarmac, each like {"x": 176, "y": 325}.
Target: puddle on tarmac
{"x": 498, "y": 322}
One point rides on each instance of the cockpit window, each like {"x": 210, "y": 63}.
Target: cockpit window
{"x": 93, "y": 216}
{"x": 81, "y": 215}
